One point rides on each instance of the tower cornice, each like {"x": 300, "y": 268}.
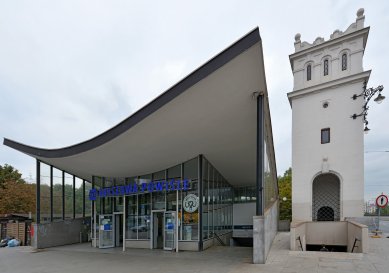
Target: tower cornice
{"x": 365, "y": 75}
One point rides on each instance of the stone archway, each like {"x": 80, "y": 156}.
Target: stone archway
{"x": 326, "y": 198}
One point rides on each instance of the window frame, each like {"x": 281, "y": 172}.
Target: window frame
{"x": 325, "y": 67}
{"x": 309, "y": 72}
{"x": 344, "y": 62}
{"x": 322, "y": 135}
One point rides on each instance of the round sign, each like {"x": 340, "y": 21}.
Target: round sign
{"x": 191, "y": 203}
{"x": 381, "y": 201}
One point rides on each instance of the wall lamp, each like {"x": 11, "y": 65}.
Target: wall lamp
{"x": 367, "y": 95}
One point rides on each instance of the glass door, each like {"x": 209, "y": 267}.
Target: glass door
{"x": 169, "y": 230}
{"x": 106, "y": 231}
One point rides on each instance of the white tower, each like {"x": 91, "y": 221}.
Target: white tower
{"x": 327, "y": 144}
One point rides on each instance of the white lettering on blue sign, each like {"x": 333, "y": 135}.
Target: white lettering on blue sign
{"x": 154, "y": 186}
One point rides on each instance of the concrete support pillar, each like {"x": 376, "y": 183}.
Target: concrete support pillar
{"x": 259, "y": 240}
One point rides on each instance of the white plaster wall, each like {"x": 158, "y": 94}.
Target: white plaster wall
{"x": 344, "y": 152}
{"x": 354, "y": 49}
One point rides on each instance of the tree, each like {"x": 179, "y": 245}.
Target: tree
{"x": 16, "y": 196}
{"x": 285, "y": 191}
{"x": 9, "y": 173}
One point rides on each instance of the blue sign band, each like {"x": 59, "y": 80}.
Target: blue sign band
{"x": 154, "y": 186}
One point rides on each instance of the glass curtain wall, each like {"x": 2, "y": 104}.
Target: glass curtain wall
{"x": 56, "y": 189}
{"x": 144, "y": 210}
{"x": 68, "y": 196}
{"x": 217, "y": 202}
{"x": 140, "y": 205}
{"x": 78, "y": 197}
{"x": 88, "y": 203}
{"x": 57, "y": 195}
{"x": 270, "y": 178}
{"x": 45, "y": 215}
{"x": 190, "y": 220}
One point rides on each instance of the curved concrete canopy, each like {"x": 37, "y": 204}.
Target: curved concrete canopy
{"x": 209, "y": 112}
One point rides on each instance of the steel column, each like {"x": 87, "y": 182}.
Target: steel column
{"x": 74, "y": 197}
{"x": 51, "y": 194}
{"x": 63, "y": 195}
{"x": 38, "y": 191}
{"x": 260, "y": 155}
{"x": 83, "y": 198}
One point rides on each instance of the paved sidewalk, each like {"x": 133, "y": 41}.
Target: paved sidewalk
{"x": 84, "y": 259}
{"x": 281, "y": 259}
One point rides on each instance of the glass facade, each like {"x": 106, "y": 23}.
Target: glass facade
{"x": 140, "y": 205}
{"x": 68, "y": 196}
{"x": 217, "y": 202}
{"x": 57, "y": 194}
{"x": 270, "y": 178}
{"x": 62, "y": 195}
{"x": 45, "y": 214}
{"x": 78, "y": 197}
{"x": 245, "y": 194}
{"x": 207, "y": 188}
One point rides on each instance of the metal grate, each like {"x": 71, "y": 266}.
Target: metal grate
{"x": 344, "y": 61}
{"x": 326, "y": 198}
{"x": 325, "y": 67}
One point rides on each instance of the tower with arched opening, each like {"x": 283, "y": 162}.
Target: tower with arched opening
{"x": 327, "y": 145}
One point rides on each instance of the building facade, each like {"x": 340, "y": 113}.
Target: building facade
{"x": 193, "y": 168}
{"x": 327, "y": 144}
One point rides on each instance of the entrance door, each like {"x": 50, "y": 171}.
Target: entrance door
{"x": 169, "y": 232}
{"x": 157, "y": 229}
{"x": 118, "y": 229}
{"x": 106, "y": 231}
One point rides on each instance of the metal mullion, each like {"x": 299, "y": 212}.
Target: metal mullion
{"x": 137, "y": 214}
{"x": 51, "y": 194}
{"x": 165, "y": 191}
{"x": 74, "y": 197}
{"x": 102, "y": 201}
{"x": 114, "y": 198}
{"x": 208, "y": 199}
{"x": 38, "y": 192}
{"x": 83, "y": 198}
{"x": 213, "y": 201}
{"x": 260, "y": 155}
{"x": 182, "y": 195}
{"x": 63, "y": 195}
{"x": 93, "y": 214}
{"x": 200, "y": 194}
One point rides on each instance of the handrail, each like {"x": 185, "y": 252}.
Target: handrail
{"x": 301, "y": 245}
{"x": 354, "y": 245}
{"x": 218, "y": 238}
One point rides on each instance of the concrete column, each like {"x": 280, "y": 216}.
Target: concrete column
{"x": 259, "y": 240}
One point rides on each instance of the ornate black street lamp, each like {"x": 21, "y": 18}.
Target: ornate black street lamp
{"x": 367, "y": 95}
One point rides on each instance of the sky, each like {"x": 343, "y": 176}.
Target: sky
{"x": 70, "y": 70}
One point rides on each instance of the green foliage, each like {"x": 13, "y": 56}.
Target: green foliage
{"x": 9, "y": 173}
{"x": 285, "y": 190}
{"x": 16, "y": 196}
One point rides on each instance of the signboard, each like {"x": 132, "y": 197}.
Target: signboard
{"x": 153, "y": 186}
{"x": 381, "y": 201}
{"x": 191, "y": 203}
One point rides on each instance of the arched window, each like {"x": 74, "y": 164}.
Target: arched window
{"x": 325, "y": 67}
{"x": 326, "y": 198}
{"x": 344, "y": 61}
{"x": 309, "y": 72}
